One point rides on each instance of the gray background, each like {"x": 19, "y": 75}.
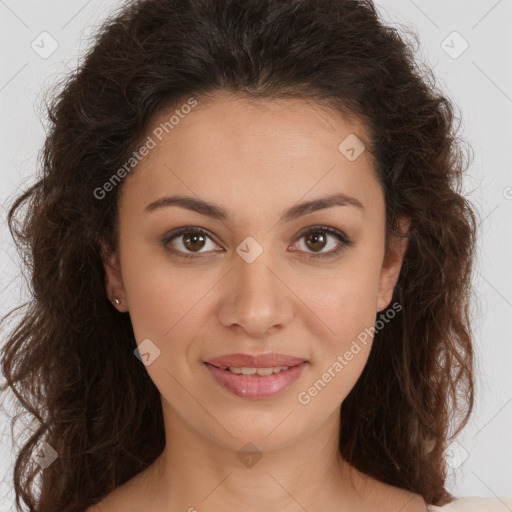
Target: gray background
{"x": 478, "y": 79}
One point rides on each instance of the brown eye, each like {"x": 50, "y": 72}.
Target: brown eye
{"x": 316, "y": 239}
{"x": 189, "y": 240}
{"x": 193, "y": 241}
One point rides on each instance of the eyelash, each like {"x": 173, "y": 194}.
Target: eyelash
{"x": 342, "y": 238}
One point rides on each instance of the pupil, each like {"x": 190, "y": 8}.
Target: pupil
{"x": 318, "y": 238}
{"x": 192, "y": 238}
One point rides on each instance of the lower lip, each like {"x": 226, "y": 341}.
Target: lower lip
{"x": 256, "y": 386}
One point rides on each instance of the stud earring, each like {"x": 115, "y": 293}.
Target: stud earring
{"x": 116, "y": 301}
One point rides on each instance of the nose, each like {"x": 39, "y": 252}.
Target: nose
{"x": 255, "y": 298}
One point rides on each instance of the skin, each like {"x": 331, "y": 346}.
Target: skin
{"x": 256, "y": 159}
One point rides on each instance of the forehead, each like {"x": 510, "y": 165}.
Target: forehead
{"x": 253, "y": 153}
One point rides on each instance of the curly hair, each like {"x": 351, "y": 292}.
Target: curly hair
{"x": 69, "y": 359}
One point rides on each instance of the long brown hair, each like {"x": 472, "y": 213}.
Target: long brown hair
{"x": 69, "y": 360}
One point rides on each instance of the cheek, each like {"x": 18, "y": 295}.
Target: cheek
{"x": 344, "y": 299}
{"x": 166, "y": 301}
{"x": 346, "y": 304}
{"x": 340, "y": 358}
{"x": 350, "y": 314}
{"x": 154, "y": 293}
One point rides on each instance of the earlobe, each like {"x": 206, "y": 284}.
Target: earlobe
{"x": 113, "y": 278}
{"x": 392, "y": 265}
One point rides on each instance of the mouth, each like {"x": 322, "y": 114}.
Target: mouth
{"x": 248, "y": 361}
{"x": 256, "y": 372}
{"x": 256, "y": 383}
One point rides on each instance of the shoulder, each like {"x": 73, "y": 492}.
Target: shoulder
{"x": 475, "y": 504}
{"x": 405, "y": 501}
{"x": 388, "y": 498}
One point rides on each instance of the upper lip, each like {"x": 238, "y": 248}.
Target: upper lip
{"x": 257, "y": 361}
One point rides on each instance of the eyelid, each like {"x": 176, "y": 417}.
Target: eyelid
{"x": 187, "y": 229}
{"x": 343, "y": 239}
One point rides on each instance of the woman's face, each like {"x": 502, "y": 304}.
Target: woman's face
{"x": 262, "y": 277}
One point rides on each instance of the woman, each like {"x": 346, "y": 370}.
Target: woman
{"x": 251, "y": 267}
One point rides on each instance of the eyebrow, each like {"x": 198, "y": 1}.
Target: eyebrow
{"x": 218, "y": 212}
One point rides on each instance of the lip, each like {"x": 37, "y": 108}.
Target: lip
{"x": 256, "y": 361}
{"x": 256, "y": 387}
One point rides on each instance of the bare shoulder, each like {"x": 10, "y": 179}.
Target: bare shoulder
{"x": 380, "y": 496}
{"x": 397, "y": 499}
{"x": 410, "y": 502}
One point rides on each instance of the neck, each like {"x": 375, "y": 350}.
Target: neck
{"x": 196, "y": 473}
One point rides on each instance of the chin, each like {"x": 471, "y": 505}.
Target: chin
{"x": 267, "y": 433}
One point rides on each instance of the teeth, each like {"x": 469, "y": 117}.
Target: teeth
{"x": 260, "y": 371}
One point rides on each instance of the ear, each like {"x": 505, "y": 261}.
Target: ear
{"x": 113, "y": 278}
{"x": 392, "y": 264}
